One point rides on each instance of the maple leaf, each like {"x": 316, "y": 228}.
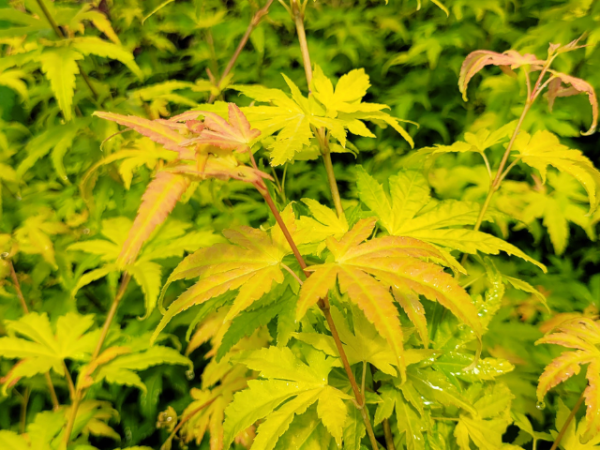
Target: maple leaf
{"x": 291, "y": 383}
{"x": 557, "y": 209}
{"x": 544, "y": 149}
{"x": 41, "y": 349}
{"x": 440, "y": 225}
{"x": 233, "y": 135}
{"x": 158, "y": 131}
{"x": 345, "y": 103}
{"x": 583, "y": 335}
{"x": 364, "y": 344}
{"x": 477, "y": 60}
{"x": 251, "y": 263}
{"x": 578, "y": 86}
{"x": 366, "y": 272}
{"x": 157, "y": 202}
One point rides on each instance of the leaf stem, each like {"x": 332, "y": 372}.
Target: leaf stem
{"x": 254, "y": 22}
{"x": 15, "y": 280}
{"x": 325, "y": 307}
{"x": 24, "y": 402}
{"x": 389, "y": 438}
{"x": 335, "y": 193}
{"x": 298, "y": 15}
{"x": 570, "y": 418}
{"x": 360, "y": 398}
{"x": 78, "y": 395}
{"x": 111, "y": 314}
{"x": 495, "y": 185}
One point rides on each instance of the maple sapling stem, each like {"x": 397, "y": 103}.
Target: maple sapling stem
{"x": 107, "y": 322}
{"x": 298, "y": 16}
{"x": 335, "y": 193}
{"x": 570, "y": 418}
{"x": 389, "y": 437}
{"x": 24, "y": 402}
{"x": 111, "y": 314}
{"x": 15, "y": 280}
{"x": 254, "y": 22}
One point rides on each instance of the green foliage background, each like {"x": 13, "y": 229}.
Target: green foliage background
{"x": 412, "y": 57}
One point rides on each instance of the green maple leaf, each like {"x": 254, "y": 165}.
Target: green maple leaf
{"x": 173, "y": 240}
{"x": 291, "y": 385}
{"x": 558, "y": 208}
{"x": 544, "y": 149}
{"x": 294, "y": 117}
{"x": 442, "y": 224}
{"x": 364, "y": 344}
{"x": 41, "y": 349}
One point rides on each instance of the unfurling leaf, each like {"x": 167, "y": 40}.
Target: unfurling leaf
{"x": 578, "y": 86}
{"x": 233, "y": 135}
{"x": 159, "y": 131}
{"x": 478, "y": 59}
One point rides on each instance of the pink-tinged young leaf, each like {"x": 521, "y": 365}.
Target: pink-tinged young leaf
{"x": 561, "y": 369}
{"x": 577, "y": 86}
{"x": 233, "y": 135}
{"x": 583, "y": 328}
{"x": 155, "y": 130}
{"x": 478, "y": 59}
{"x": 158, "y": 201}
{"x": 592, "y": 401}
{"x": 414, "y": 310}
{"x": 222, "y": 169}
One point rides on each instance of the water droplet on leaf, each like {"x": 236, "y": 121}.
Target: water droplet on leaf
{"x": 540, "y": 405}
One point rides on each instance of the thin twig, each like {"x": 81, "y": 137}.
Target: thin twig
{"x": 78, "y": 396}
{"x": 254, "y": 22}
{"x": 565, "y": 426}
{"x": 24, "y": 402}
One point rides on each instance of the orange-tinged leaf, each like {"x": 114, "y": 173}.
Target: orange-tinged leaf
{"x": 158, "y": 131}
{"x": 378, "y": 306}
{"x": 478, "y": 59}
{"x": 428, "y": 280}
{"x": 396, "y": 246}
{"x": 251, "y": 263}
{"x": 414, "y": 310}
{"x": 560, "y": 369}
{"x": 254, "y": 289}
{"x": 158, "y": 201}
{"x": 222, "y": 169}
{"x": 315, "y": 288}
{"x": 233, "y": 135}
{"x": 566, "y": 340}
{"x": 592, "y": 400}
{"x": 578, "y": 86}
{"x": 359, "y": 232}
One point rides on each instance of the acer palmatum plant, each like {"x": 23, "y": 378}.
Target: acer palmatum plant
{"x": 324, "y": 327}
